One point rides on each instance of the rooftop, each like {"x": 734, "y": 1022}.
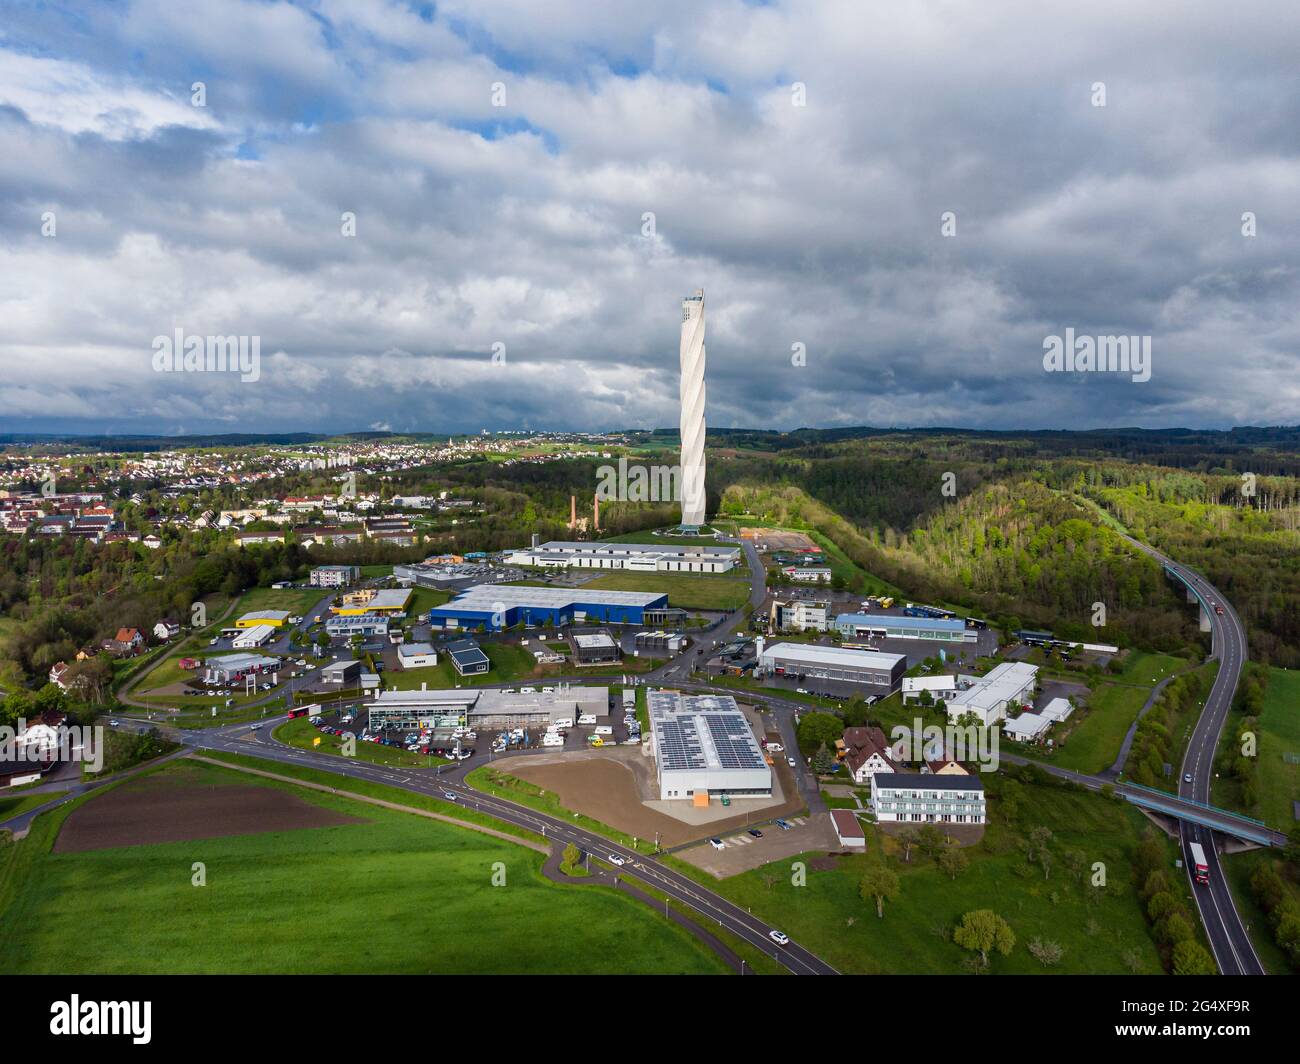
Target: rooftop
{"x": 701, "y": 732}
{"x": 494, "y": 598}
{"x": 866, "y": 659}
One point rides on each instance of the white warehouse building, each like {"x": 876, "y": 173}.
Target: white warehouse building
{"x": 988, "y": 696}
{"x": 832, "y": 663}
{"x": 704, "y": 746}
{"x": 635, "y": 557}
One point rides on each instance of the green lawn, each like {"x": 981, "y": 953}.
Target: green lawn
{"x": 1146, "y": 669}
{"x": 704, "y": 591}
{"x": 1093, "y": 743}
{"x": 1278, "y": 783}
{"x": 395, "y": 893}
{"x": 828, "y": 916}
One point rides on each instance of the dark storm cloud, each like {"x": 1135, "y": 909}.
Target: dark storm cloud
{"x": 522, "y": 225}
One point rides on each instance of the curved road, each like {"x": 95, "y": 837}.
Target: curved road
{"x": 1233, "y": 950}
{"x": 244, "y": 739}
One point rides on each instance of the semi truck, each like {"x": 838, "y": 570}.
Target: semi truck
{"x": 1199, "y": 867}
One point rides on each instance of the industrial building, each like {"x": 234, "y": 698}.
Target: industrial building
{"x": 1031, "y": 727}
{"x": 274, "y": 618}
{"x": 251, "y": 638}
{"x": 895, "y": 626}
{"x": 416, "y": 655}
{"x": 232, "y": 667}
{"x": 704, "y": 746}
{"x": 334, "y": 575}
{"x": 495, "y": 608}
{"x": 594, "y": 648}
{"x": 808, "y": 574}
{"x": 635, "y": 557}
{"x": 389, "y": 601}
{"x": 341, "y": 672}
{"x": 988, "y": 696}
{"x": 348, "y": 625}
{"x": 800, "y": 615}
{"x": 468, "y": 657}
{"x": 927, "y": 798}
{"x": 487, "y": 708}
{"x": 833, "y": 663}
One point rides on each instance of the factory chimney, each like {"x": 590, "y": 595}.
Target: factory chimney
{"x": 573, "y": 511}
{"x": 595, "y": 512}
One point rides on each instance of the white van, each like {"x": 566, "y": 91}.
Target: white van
{"x": 587, "y": 718}
{"x": 552, "y": 739}
{"x": 604, "y": 729}
{"x": 563, "y": 722}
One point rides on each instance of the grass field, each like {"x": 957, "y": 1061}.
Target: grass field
{"x": 1147, "y": 669}
{"x": 1277, "y": 783}
{"x": 395, "y": 893}
{"x": 1238, "y": 867}
{"x": 1093, "y": 743}
{"x": 688, "y": 591}
{"x": 828, "y": 916}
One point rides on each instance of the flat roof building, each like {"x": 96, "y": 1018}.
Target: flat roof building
{"x": 848, "y": 830}
{"x": 253, "y": 637}
{"x": 704, "y": 746}
{"x": 833, "y": 663}
{"x": 897, "y": 626}
{"x": 274, "y": 618}
{"x": 594, "y": 648}
{"x": 988, "y": 696}
{"x": 236, "y": 666}
{"x": 334, "y": 575}
{"x": 416, "y": 655}
{"x": 351, "y": 624}
{"x": 635, "y": 557}
{"x": 387, "y": 601}
{"x": 927, "y": 798}
{"x": 468, "y": 657}
{"x": 497, "y": 607}
{"x": 486, "y": 708}
{"x": 341, "y": 672}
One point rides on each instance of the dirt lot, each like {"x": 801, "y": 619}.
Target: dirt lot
{"x": 153, "y": 810}
{"x": 779, "y": 540}
{"x": 612, "y": 788}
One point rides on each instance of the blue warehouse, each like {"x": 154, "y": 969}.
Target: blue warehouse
{"x": 495, "y": 607}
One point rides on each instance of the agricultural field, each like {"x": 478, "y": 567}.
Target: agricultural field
{"x": 1100, "y": 932}
{"x": 273, "y": 899}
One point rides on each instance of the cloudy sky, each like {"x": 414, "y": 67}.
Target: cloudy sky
{"x": 554, "y": 175}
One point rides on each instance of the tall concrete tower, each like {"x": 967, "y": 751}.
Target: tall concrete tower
{"x": 692, "y": 423}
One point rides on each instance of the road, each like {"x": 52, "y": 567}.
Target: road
{"x": 1229, "y": 940}
{"x": 712, "y": 907}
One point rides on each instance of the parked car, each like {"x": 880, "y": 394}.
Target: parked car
{"x": 716, "y": 843}
{"x": 755, "y": 833}
{"x": 784, "y": 825}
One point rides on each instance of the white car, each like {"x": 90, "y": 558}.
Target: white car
{"x": 615, "y": 859}
{"x": 779, "y": 937}
{"x": 791, "y": 762}
{"x": 717, "y": 844}
{"x": 775, "y": 748}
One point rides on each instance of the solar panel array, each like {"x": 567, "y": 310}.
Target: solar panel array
{"x": 733, "y": 741}
{"x": 677, "y": 721}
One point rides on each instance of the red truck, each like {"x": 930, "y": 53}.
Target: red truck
{"x": 1199, "y": 867}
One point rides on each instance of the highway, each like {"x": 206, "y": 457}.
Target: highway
{"x": 1233, "y": 951}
